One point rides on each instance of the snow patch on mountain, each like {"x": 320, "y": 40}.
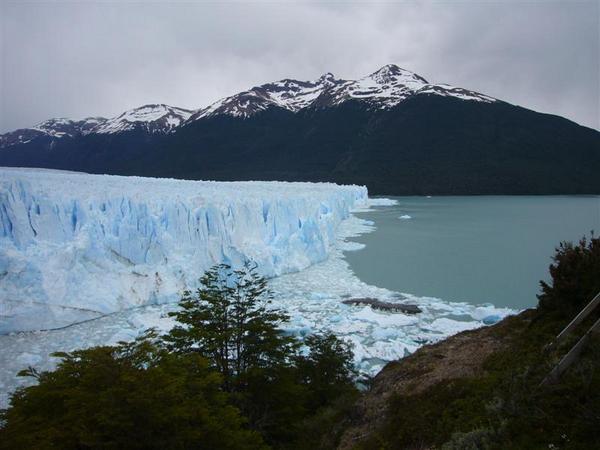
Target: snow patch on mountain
{"x": 66, "y": 127}
{"x": 389, "y": 86}
{"x": 152, "y": 118}
{"x": 292, "y": 95}
{"x": 52, "y": 129}
{"x": 446, "y": 90}
{"x": 383, "y": 89}
{"x": 159, "y": 119}
{"x": 75, "y": 246}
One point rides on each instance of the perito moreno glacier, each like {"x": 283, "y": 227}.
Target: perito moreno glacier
{"x": 76, "y": 246}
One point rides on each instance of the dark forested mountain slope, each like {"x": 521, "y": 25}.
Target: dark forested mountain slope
{"x": 392, "y": 131}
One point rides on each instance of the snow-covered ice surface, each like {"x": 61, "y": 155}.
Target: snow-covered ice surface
{"x": 312, "y": 297}
{"x": 76, "y": 246}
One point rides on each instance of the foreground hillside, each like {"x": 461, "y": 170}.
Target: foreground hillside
{"x": 392, "y": 131}
{"x": 481, "y": 389}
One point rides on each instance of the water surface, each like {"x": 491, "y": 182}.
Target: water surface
{"x": 477, "y": 249}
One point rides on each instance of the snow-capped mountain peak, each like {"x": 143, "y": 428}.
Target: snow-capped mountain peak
{"x": 327, "y": 79}
{"x": 154, "y": 118}
{"x": 59, "y": 127}
{"x": 389, "y": 86}
{"x": 393, "y": 74}
{"x": 383, "y": 89}
{"x": 289, "y": 94}
{"x": 56, "y": 128}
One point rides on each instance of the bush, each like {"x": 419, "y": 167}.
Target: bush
{"x": 225, "y": 377}
{"x": 478, "y": 439}
{"x": 575, "y": 273}
{"x": 134, "y": 396}
{"x": 328, "y": 369}
{"x": 228, "y": 322}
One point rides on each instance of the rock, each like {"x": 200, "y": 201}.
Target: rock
{"x": 491, "y": 320}
{"x": 384, "y": 306}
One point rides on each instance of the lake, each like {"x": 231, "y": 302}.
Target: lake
{"x": 477, "y": 249}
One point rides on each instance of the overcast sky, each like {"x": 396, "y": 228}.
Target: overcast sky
{"x": 78, "y": 59}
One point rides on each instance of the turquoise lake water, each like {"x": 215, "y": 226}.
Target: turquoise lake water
{"x": 477, "y": 249}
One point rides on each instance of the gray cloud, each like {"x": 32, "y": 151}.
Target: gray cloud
{"x": 81, "y": 59}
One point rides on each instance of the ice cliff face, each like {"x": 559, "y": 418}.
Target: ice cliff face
{"x": 75, "y": 246}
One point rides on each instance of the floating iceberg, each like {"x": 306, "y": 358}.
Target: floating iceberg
{"x": 379, "y": 201}
{"x": 75, "y": 246}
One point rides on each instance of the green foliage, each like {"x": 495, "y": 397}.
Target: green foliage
{"x": 328, "y": 369}
{"x": 226, "y": 377}
{"x": 275, "y": 404}
{"x": 284, "y": 402}
{"x": 575, "y": 277}
{"x": 323, "y": 429}
{"x": 126, "y": 397}
{"x": 478, "y": 439}
{"x": 228, "y": 322}
{"x": 431, "y": 417}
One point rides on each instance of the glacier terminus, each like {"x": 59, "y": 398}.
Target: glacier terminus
{"x": 75, "y": 246}
{"x": 95, "y": 259}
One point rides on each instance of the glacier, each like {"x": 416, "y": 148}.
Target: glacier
{"x": 70, "y": 234}
{"x": 75, "y": 246}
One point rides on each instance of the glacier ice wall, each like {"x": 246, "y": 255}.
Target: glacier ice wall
{"x": 75, "y": 246}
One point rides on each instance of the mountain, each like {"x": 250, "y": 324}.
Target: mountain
{"x": 51, "y": 128}
{"x": 383, "y": 89}
{"x": 392, "y": 130}
{"x": 149, "y": 118}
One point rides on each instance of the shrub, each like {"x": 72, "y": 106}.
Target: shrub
{"x": 228, "y": 322}
{"x": 225, "y": 377}
{"x": 134, "y": 396}
{"x": 328, "y": 369}
{"x": 575, "y": 274}
{"x": 478, "y": 439}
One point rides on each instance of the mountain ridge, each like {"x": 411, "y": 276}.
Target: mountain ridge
{"x": 392, "y": 131}
{"x": 384, "y": 88}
